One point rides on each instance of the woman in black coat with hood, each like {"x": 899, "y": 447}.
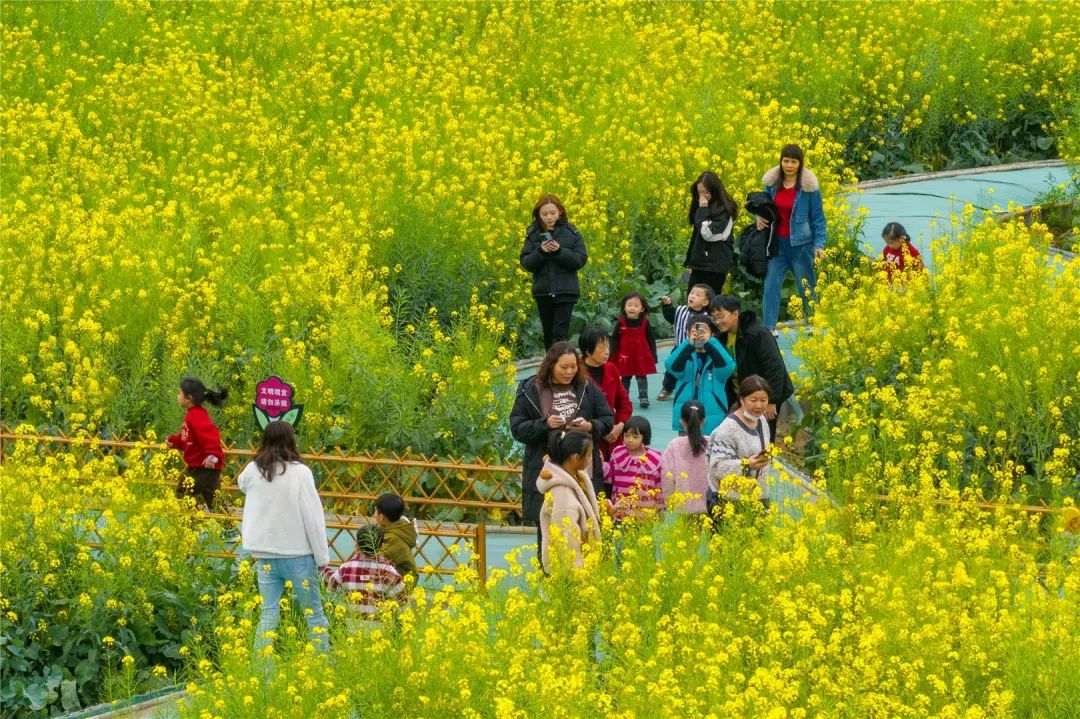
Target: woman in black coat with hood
{"x": 553, "y": 253}
{"x": 561, "y": 396}
{"x": 712, "y": 215}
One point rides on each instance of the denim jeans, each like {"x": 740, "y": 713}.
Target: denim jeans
{"x": 799, "y": 260}
{"x": 306, "y": 584}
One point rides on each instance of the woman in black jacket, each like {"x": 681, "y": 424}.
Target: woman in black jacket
{"x": 553, "y": 253}
{"x": 755, "y": 351}
{"x": 712, "y": 215}
{"x": 561, "y": 396}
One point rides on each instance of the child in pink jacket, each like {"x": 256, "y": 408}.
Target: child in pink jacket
{"x": 684, "y": 466}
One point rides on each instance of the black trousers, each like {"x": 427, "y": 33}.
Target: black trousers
{"x": 712, "y": 279}
{"x": 642, "y": 385}
{"x": 201, "y": 483}
{"x": 669, "y": 382}
{"x": 555, "y": 315}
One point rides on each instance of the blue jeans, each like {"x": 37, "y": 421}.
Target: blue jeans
{"x": 799, "y": 260}
{"x": 301, "y": 571}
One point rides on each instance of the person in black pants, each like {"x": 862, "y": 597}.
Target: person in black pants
{"x": 756, "y": 353}
{"x": 560, "y": 397}
{"x": 712, "y": 215}
{"x": 553, "y": 253}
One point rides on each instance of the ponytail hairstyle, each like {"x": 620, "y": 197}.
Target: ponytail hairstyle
{"x": 693, "y": 417}
{"x": 563, "y": 445}
{"x": 895, "y": 231}
{"x": 277, "y": 447}
{"x": 197, "y": 392}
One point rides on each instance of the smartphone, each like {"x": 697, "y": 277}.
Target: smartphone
{"x": 545, "y": 237}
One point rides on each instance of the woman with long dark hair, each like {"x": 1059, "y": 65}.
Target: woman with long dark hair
{"x": 800, "y": 228}
{"x": 561, "y": 397}
{"x": 712, "y": 215}
{"x": 553, "y": 253}
{"x": 284, "y": 529}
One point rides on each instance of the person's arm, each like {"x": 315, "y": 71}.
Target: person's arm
{"x": 208, "y": 438}
{"x": 602, "y": 419}
{"x": 331, "y": 577}
{"x": 173, "y": 441}
{"x": 311, "y": 510}
{"x": 650, "y": 336}
{"x": 565, "y": 521}
{"x": 724, "y": 459}
{"x": 525, "y": 426}
{"x": 719, "y": 355}
{"x": 613, "y": 340}
{"x": 572, "y": 255}
{"x": 817, "y": 220}
{"x": 668, "y": 465}
{"x": 244, "y": 480}
{"x": 771, "y": 364}
{"x": 533, "y": 258}
{"x": 714, "y": 229}
{"x": 623, "y": 407}
{"x": 667, "y": 309}
{"x": 676, "y": 361}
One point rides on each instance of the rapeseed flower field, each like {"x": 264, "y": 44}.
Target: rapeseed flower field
{"x": 338, "y": 193}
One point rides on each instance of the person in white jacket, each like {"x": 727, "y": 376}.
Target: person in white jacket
{"x": 569, "y": 500}
{"x": 285, "y": 531}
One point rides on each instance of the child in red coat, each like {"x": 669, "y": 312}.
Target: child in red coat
{"x": 899, "y": 255}
{"x": 633, "y": 345}
{"x": 200, "y": 442}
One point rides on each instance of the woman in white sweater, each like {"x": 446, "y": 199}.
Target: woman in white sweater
{"x": 569, "y": 506}
{"x": 738, "y": 451}
{"x": 285, "y": 531}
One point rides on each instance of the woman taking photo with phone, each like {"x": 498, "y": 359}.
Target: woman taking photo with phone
{"x": 553, "y": 253}
{"x": 738, "y": 451}
{"x": 561, "y": 397}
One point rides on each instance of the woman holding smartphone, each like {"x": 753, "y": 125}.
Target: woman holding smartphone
{"x": 560, "y": 398}
{"x": 553, "y": 253}
{"x": 739, "y": 449}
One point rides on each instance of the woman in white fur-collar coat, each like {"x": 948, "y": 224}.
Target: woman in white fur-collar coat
{"x": 800, "y": 229}
{"x": 569, "y": 500}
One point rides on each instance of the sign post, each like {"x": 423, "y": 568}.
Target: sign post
{"x": 274, "y": 403}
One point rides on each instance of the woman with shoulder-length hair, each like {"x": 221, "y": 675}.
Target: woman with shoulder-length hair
{"x": 559, "y": 398}
{"x": 712, "y": 215}
{"x": 800, "y": 231}
{"x": 553, "y": 253}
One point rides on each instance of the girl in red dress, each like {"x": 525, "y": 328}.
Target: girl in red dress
{"x": 633, "y": 345}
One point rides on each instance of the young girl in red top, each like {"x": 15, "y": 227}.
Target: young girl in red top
{"x": 200, "y": 442}
{"x": 899, "y": 254}
{"x": 633, "y": 346}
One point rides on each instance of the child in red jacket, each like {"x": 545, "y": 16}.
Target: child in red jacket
{"x": 200, "y": 442}
{"x": 899, "y": 254}
{"x": 633, "y": 346}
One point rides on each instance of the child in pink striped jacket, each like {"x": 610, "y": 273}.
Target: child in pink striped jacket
{"x": 633, "y": 472}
